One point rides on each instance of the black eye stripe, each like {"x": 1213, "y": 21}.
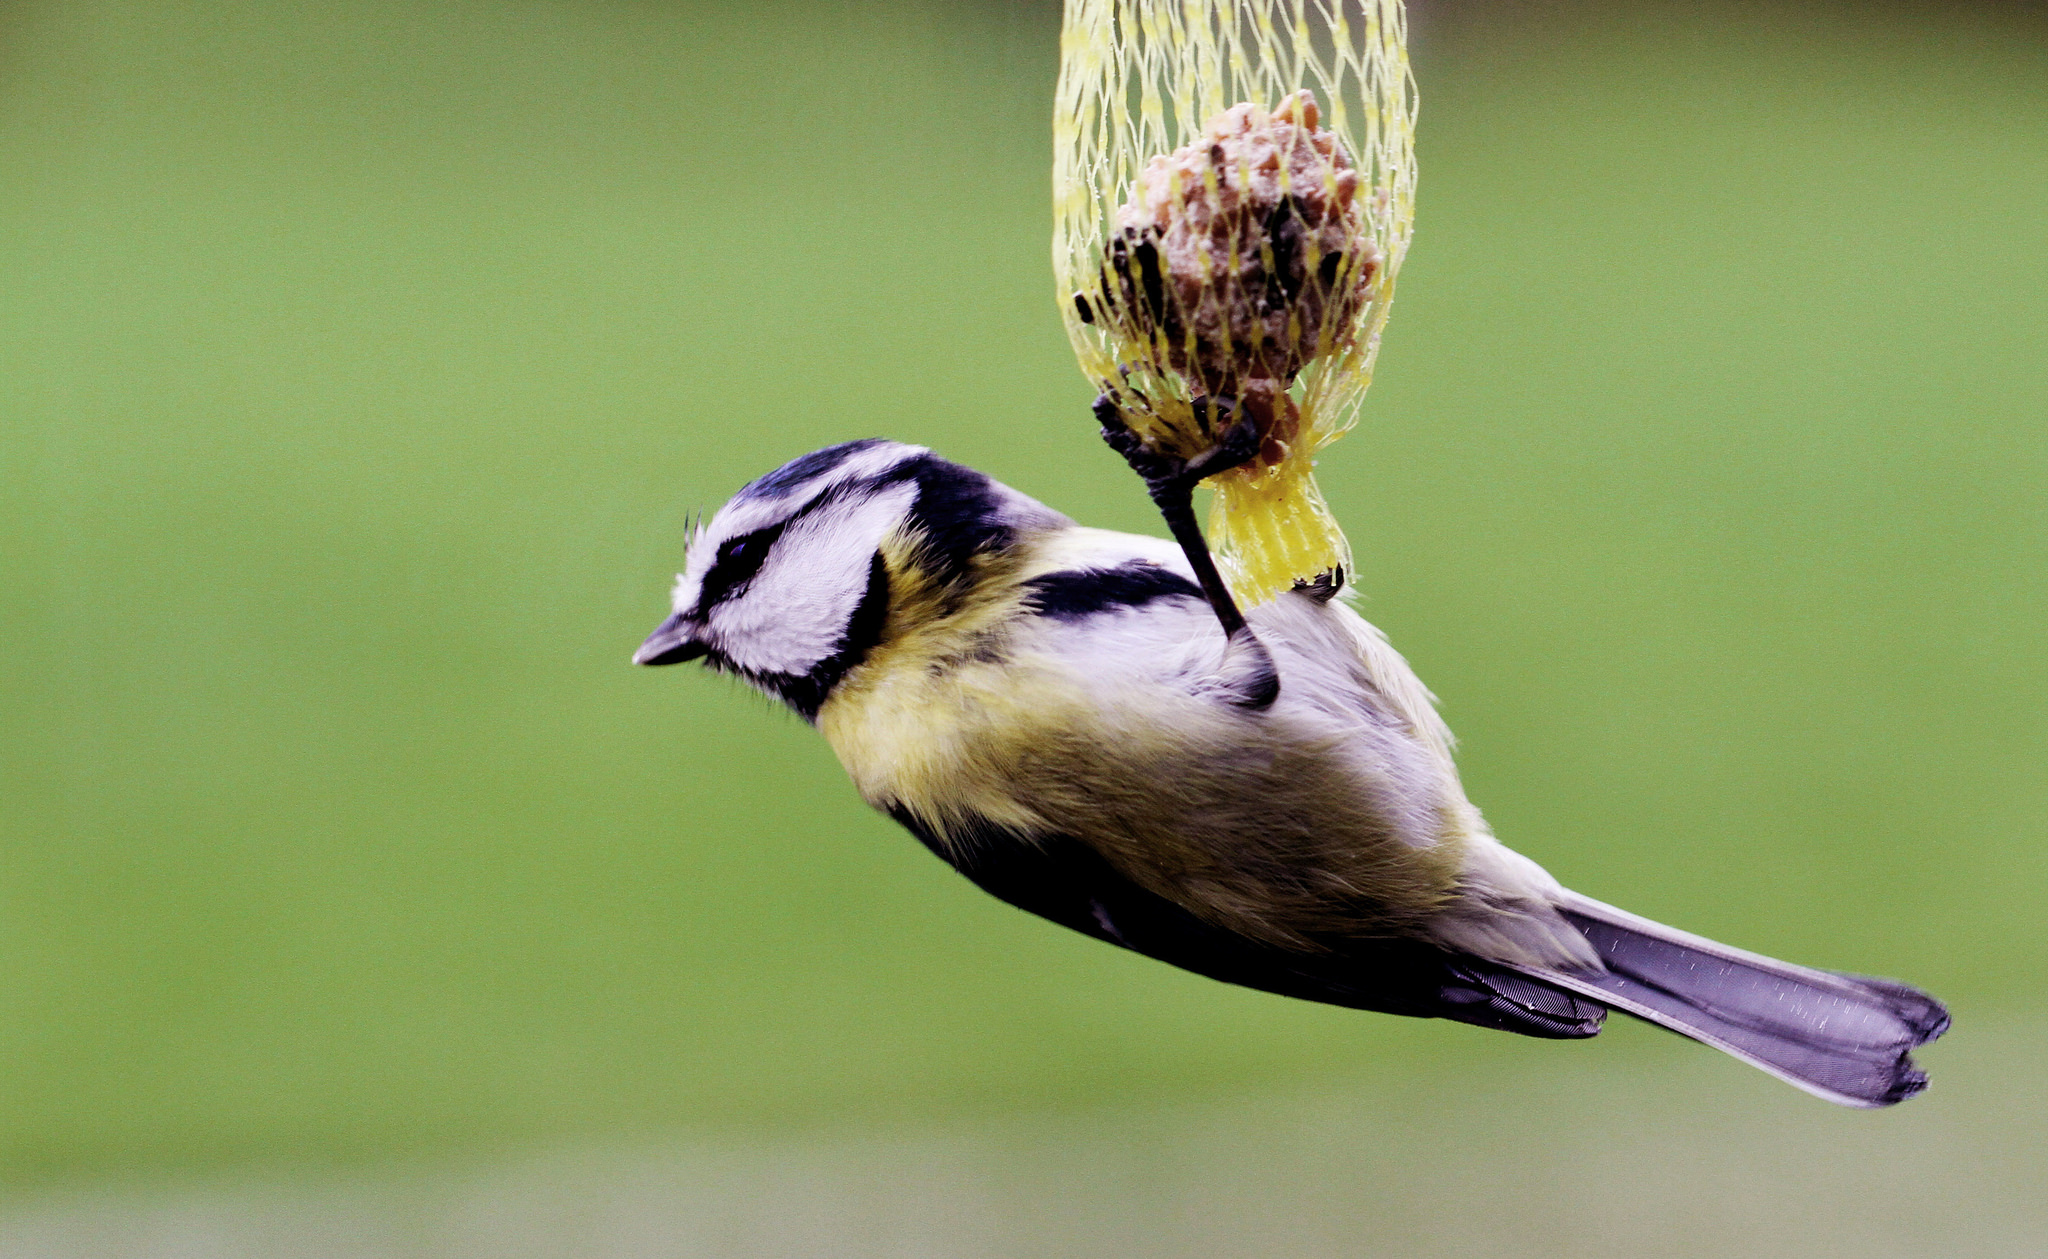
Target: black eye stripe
{"x": 736, "y": 563}
{"x": 740, "y": 558}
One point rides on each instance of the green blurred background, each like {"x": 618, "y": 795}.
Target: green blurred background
{"x": 361, "y": 361}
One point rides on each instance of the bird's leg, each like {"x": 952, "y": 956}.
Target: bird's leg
{"x": 1172, "y": 481}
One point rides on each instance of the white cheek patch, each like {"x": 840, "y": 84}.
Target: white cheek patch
{"x": 795, "y": 611}
{"x": 746, "y": 515}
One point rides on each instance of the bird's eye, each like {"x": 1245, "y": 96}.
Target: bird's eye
{"x": 737, "y": 561}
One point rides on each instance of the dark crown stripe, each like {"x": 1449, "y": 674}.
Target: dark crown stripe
{"x": 793, "y": 475}
{"x": 1070, "y": 596}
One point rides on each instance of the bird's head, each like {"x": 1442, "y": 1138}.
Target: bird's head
{"x": 788, "y": 585}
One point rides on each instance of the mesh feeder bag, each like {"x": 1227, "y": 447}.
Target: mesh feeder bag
{"x": 1234, "y": 189}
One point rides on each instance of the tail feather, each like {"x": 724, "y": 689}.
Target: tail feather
{"x": 1842, "y": 1037}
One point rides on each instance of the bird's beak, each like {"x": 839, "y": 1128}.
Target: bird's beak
{"x": 670, "y": 643}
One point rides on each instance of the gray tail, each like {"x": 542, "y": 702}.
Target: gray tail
{"x": 1842, "y": 1037}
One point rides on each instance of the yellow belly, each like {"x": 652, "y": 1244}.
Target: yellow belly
{"x": 1237, "y": 817}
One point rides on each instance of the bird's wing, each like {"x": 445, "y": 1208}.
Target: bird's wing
{"x": 1067, "y": 881}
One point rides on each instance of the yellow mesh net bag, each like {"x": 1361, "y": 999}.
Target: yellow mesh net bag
{"x": 1234, "y": 188}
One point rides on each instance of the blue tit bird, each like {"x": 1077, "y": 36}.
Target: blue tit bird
{"x": 1050, "y": 709}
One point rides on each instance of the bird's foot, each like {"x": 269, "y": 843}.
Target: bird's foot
{"x": 1171, "y": 475}
{"x": 1171, "y": 482}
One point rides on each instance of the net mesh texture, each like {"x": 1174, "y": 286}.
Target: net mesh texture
{"x": 1234, "y": 189}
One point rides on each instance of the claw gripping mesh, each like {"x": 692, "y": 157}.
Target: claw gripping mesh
{"x": 1234, "y": 187}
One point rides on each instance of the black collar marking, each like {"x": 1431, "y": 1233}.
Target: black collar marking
{"x": 957, "y": 512}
